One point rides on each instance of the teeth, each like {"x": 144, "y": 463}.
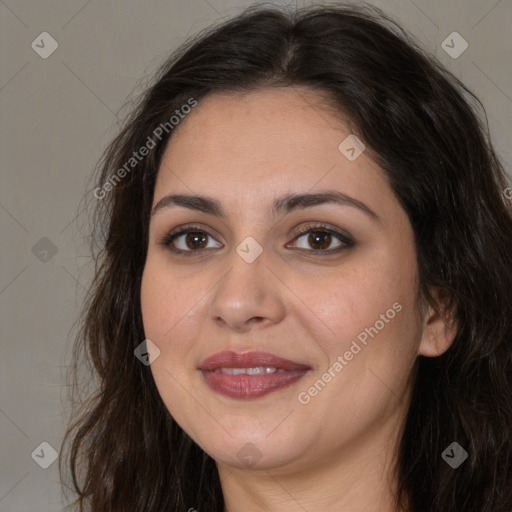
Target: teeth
{"x": 255, "y": 370}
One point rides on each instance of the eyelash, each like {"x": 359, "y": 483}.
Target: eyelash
{"x": 168, "y": 238}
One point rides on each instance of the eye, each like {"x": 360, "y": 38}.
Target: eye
{"x": 320, "y": 238}
{"x": 191, "y": 239}
{"x": 187, "y": 240}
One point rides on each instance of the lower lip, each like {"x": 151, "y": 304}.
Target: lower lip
{"x": 250, "y": 386}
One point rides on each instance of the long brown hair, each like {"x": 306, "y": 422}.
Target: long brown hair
{"x": 428, "y": 133}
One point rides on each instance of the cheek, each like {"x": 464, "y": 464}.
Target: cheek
{"x": 371, "y": 311}
{"x": 356, "y": 299}
{"x": 369, "y": 362}
{"x": 169, "y": 308}
{"x": 168, "y": 314}
{"x": 154, "y": 304}
{"x": 174, "y": 306}
{"x": 166, "y": 300}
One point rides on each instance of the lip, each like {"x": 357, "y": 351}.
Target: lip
{"x": 229, "y": 359}
{"x": 250, "y": 386}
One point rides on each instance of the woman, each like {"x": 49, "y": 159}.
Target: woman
{"x": 303, "y": 301}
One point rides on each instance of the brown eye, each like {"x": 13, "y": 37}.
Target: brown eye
{"x": 319, "y": 239}
{"x": 196, "y": 240}
{"x": 322, "y": 240}
{"x": 189, "y": 240}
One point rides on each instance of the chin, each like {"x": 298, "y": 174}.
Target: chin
{"x": 256, "y": 453}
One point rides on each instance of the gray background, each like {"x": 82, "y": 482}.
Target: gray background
{"x": 58, "y": 115}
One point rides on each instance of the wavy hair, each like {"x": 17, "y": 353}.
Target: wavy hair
{"x": 429, "y": 134}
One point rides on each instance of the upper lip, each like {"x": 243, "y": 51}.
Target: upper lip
{"x": 229, "y": 359}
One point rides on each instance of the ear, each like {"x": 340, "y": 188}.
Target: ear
{"x": 439, "y": 329}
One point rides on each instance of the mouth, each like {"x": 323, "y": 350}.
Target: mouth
{"x": 251, "y": 374}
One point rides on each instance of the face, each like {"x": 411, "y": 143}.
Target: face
{"x": 329, "y": 285}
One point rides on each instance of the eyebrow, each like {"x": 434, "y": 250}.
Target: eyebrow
{"x": 280, "y": 206}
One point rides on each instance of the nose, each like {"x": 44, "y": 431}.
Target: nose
{"x": 249, "y": 295}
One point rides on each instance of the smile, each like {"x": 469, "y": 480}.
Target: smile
{"x": 255, "y": 370}
{"x": 250, "y": 375}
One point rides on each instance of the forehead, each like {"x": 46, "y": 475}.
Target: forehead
{"x": 267, "y": 122}
{"x": 252, "y": 144}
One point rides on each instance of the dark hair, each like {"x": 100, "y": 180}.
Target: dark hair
{"x": 421, "y": 125}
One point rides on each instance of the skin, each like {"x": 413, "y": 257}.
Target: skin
{"x": 336, "y": 452}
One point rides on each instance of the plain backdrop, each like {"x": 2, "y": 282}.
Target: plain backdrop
{"x": 59, "y": 113}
